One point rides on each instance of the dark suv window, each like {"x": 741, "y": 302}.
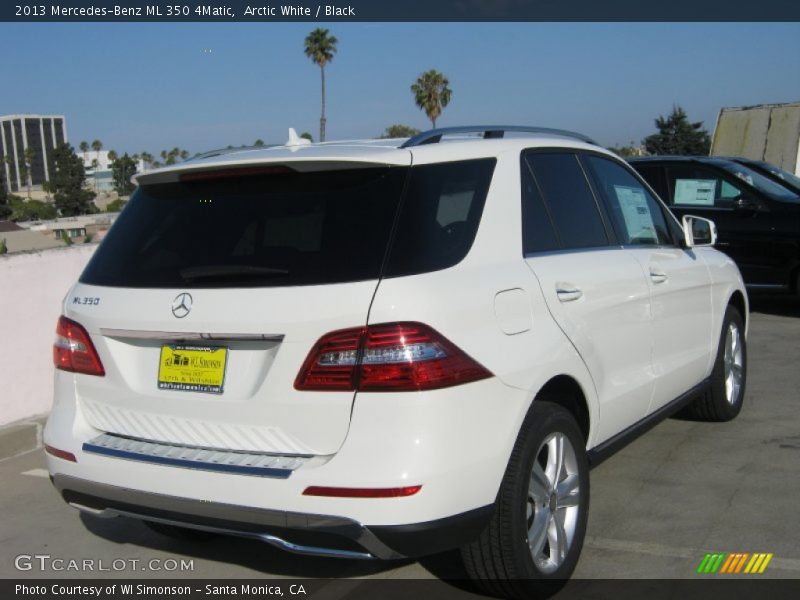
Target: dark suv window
{"x": 286, "y": 228}
{"x": 700, "y": 187}
{"x": 569, "y": 200}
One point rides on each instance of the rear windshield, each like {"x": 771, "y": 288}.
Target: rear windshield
{"x": 291, "y": 228}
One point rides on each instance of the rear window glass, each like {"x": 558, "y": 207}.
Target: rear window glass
{"x": 258, "y": 230}
{"x": 441, "y": 212}
{"x": 289, "y": 229}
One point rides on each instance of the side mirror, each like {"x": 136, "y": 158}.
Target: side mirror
{"x": 698, "y": 231}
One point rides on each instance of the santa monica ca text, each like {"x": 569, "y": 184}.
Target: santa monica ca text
{"x": 141, "y": 589}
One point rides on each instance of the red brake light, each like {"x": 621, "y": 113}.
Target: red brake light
{"x": 73, "y": 349}
{"x": 62, "y": 454}
{"x": 337, "y": 492}
{"x": 387, "y": 357}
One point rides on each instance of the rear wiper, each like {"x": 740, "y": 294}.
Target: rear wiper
{"x": 226, "y": 271}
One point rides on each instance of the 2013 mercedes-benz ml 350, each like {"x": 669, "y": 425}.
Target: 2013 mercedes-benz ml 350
{"x": 389, "y": 348}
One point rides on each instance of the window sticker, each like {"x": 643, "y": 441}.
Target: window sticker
{"x": 695, "y": 192}
{"x": 636, "y": 212}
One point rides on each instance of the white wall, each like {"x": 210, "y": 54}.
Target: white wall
{"x": 32, "y": 286}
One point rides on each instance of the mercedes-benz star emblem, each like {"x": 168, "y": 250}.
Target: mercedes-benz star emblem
{"x": 182, "y": 305}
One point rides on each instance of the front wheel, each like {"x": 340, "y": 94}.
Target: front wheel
{"x": 535, "y": 536}
{"x": 724, "y": 399}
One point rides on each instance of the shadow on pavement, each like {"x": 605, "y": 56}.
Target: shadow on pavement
{"x": 781, "y": 305}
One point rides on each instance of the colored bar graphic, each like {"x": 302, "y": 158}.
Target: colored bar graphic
{"x": 734, "y": 562}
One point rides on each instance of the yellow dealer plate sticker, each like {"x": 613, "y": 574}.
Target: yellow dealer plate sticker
{"x": 192, "y": 368}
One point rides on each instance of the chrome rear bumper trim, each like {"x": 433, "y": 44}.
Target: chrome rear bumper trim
{"x": 191, "y": 457}
{"x": 267, "y": 538}
{"x": 103, "y": 500}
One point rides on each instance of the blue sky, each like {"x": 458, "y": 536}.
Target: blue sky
{"x": 154, "y": 86}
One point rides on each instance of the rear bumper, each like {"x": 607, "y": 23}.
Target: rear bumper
{"x": 311, "y": 534}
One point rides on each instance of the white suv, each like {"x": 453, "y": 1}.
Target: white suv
{"x": 388, "y": 348}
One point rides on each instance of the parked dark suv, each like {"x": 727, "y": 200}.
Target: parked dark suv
{"x": 757, "y": 218}
{"x": 778, "y": 175}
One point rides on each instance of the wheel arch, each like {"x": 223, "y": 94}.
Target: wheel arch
{"x": 739, "y": 302}
{"x": 565, "y": 391}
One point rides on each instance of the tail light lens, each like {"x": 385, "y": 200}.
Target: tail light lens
{"x": 392, "y": 357}
{"x": 73, "y": 349}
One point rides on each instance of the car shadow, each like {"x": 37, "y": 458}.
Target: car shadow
{"x": 781, "y": 305}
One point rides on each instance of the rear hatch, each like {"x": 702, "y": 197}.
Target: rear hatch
{"x": 210, "y": 289}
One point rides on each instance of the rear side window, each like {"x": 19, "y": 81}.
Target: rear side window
{"x": 277, "y": 229}
{"x": 569, "y": 199}
{"x": 439, "y": 218}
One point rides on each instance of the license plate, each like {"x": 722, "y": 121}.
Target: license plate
{"x": 192, "y": 368}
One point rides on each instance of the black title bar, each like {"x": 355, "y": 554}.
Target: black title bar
{"x": 401, "y": 10}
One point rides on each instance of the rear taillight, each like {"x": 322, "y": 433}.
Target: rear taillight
{"x": 73, "y": 349}
{"x": 392, "y": 357}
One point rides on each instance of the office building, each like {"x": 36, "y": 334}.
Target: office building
{"x": 41, "y": 133}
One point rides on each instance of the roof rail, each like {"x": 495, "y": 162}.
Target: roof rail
{"x": 433, "y": 136}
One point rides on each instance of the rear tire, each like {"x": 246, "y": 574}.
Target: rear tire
{"x": 184, "y": 534}
{"x": 725, "y": 396}
{"x": 532, "y": 544}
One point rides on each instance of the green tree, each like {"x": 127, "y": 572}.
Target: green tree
{"x": 84, "y": 146}
{"x": 320, "y": 47}
{"x": 112, "y": 155}
{"x": 432, "y": 93}
{"x": 147, "y": 159}
{"x": 121, "y": 172}
{"x": 677, "y": 135}
{"x": 68, "y": 178}
{"x": 399, "y": 131}
{"x": 307, "y": 136}
{"x": 3, "y": 246}
{"x": 259, "y": 142}
{"x": 30, "y": 210}
{"x": 116, "y": 205}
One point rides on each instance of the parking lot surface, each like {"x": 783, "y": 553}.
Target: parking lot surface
{"x": 657, "y": 507}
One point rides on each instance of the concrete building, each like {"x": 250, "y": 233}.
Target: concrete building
{"x": 99, "y": 176}
{"x": 768, "y": 132}
{"x": 41, "y": 133}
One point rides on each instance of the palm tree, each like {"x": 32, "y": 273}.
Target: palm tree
{"x": 320, "y": 48}
{"x": 84, "y": 146}
{"x": 112, "y": 155}
{"x": 184, "y": 154}
{"x": 147, "y": 159}
{"x": 97, "y": 145}
{"x": 432, "y": 93}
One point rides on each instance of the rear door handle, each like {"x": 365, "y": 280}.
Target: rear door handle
{"x": 657, "y": 275}
{"x": 567, "y": 292}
